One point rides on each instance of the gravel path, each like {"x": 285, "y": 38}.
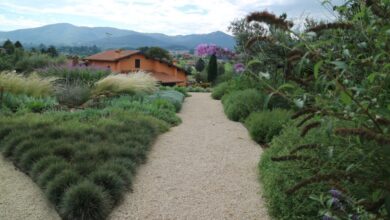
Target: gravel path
{"x": 206, "y": 168}
{"x": 21, "y": 198}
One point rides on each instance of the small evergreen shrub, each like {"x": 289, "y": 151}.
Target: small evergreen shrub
{"x": 22, "y": 102}
{"x": 73, "y": 95}
{"x": 85, "y": 201}
{"x": 239, "y": 104}
{"x": 163, "y": 104}
{"x": 264, "y": 125}
{"x": 176, "y": 98}
{"x": 220, "y": 90}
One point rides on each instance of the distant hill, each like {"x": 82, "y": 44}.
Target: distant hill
{"x": 64, "y": 34}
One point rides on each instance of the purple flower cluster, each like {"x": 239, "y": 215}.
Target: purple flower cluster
{"x": 212, "y": 49}
{"x": 239, "y": 67}
{"x": 336, "y": 193}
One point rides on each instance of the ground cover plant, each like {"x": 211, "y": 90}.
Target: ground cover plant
{"x": 332, "y": 161}
{"x": 174, "y": 97}
{"x": 101, "y": 151}
{"x": 84, "y": 160}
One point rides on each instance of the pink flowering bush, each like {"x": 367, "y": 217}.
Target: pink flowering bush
{"x": 239, "y": 67}
{"x": 212, "y": 49}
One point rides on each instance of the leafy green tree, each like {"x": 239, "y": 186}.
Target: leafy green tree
{"x": 9, "y": 47}
{"x": 200, "y": 65}
{"x": 18, "y": 45}
{"x": 52, "y": 51}
{"x": 156, "y": 53}
{"x": 212, "y": 69}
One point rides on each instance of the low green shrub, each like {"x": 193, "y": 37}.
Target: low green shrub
{"x": 220, "y": 90}
{"x": 17, "y": 103}
{"x": 297, "y": 173}
{"x": 278, "y": 102}
{"x": 160, "y": 108}
{"x": 239, "y": 104}
{"x": 83, "y": 201}
{"x": 181, "y": 89}
{"x": 73, "y": 95}
{"x": 198, "y": 89}
{"x": 264, "y": 125}
{"x": 163, "y": 104}
{"x": 110, "y": 182}
{"x": 176, "y": 98}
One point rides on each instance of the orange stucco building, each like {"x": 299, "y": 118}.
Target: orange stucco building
{"x": 126, "y": 61}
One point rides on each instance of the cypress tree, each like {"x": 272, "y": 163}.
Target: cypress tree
{"x": 212, "y": 69}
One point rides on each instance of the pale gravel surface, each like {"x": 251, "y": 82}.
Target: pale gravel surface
{"x": 206, "y": 168}
{"x": 20, "y": 197}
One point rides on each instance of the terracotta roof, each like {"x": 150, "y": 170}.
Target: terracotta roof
{"x": 115, "y": 55}
{"x": 165, "y": 78}
{"x": 112, "y": 55}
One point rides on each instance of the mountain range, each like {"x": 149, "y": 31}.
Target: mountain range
{"x": 64, "y": 34}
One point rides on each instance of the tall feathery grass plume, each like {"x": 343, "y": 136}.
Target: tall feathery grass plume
{"x": 132, "y": 83}
{"x": 32, "y": 85}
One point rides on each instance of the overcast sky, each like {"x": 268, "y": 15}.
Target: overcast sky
{"x": 170, "y": 17}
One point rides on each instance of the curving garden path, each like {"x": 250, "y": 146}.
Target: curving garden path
{"x": 206, "y": 168}
{"x": 20, "y": 197}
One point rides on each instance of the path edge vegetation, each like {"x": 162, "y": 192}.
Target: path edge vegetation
{"x": 317, "y": 101}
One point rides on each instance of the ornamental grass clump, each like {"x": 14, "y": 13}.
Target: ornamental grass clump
{"x": 84, "y": 179}
{"x": 32, "y": 85}
{"x": 132, "y": 83}
{"x": 85, "y": 201}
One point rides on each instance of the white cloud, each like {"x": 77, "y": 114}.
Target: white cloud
{"x": 17, "y": 23}
{"x": 164, "y": 16}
